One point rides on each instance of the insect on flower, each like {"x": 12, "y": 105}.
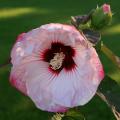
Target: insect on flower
{"x": 55, "y": 66}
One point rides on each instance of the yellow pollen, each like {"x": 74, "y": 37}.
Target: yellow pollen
{"x": 57, "y": 61}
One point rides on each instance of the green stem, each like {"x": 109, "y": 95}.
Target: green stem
{"x": 104, "y": 98}
{"x": 115, "y": 59}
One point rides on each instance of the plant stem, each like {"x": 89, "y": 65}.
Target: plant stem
{"x": 115, "y": 59}
{"x": 104, "y": 98}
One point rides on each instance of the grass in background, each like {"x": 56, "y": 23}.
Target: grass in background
{"x": 18, "y": 16}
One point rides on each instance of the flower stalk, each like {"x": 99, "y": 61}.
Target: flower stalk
{"x": 104, "y": 98}
{"x": 115, "y": 59}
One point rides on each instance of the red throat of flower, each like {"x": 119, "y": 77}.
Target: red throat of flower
{"x": 59, "y": 56}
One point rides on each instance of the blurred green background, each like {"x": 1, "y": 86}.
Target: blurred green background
{"x": 18, "y": 16}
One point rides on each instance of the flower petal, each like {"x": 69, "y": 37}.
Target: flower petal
{"x": 38, "y": 87}
{"x": 16, "y": 79}
{"x": 78, "y": 86}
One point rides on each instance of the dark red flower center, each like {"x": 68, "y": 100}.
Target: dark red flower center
{"x": 59, "y": 56}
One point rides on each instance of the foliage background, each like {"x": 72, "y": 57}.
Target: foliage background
{"x": 18, "y": 16}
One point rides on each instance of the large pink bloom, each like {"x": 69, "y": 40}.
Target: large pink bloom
{"x": 56, "y": 67}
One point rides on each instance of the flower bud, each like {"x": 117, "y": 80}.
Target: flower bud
{"x": 101, "y": 17}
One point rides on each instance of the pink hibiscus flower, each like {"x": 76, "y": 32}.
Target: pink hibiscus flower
{"x": 56, "y": 67}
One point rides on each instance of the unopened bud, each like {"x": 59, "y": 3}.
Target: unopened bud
{"x": 101, "y": 17}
